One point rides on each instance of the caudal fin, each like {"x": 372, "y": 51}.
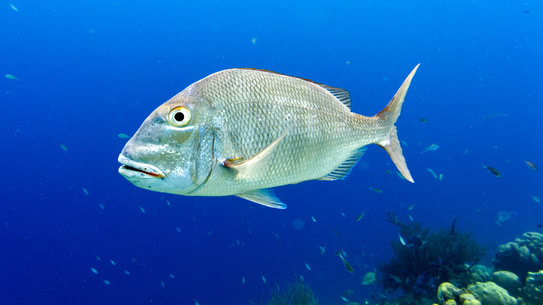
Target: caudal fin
{"x": 389, "y": 115}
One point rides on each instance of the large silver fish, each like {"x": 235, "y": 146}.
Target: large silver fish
{"x": 243, "y": 131}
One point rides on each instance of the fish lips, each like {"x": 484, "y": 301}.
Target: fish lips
{"x": 138, "y": 170}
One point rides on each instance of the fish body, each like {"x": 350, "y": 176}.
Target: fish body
{"x": 492, "y": 170}
{"x": 242, "y": 132}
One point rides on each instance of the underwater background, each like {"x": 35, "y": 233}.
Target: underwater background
{"x": 76, "y": 75}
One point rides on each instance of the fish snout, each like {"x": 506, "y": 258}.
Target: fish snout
{"x": 138, "y": 170}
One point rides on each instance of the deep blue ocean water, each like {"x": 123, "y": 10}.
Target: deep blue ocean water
{"x": 88, "y": 70}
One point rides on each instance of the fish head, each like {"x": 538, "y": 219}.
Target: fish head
{"x": 172, "y": 151}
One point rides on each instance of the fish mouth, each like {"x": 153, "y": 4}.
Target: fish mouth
{"x": 133, "y": 169}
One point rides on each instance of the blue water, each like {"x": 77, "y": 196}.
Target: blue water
{"x": 88, "y": 70}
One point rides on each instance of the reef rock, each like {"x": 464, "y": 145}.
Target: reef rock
{"x": 521, "y": 256}
{"x": 491, "y": 294}
{"x": 468, "y": 299}
{"x": 507, "y": 280}
{"x": 533, "y": 290}
{"x": 447, "y": 291}
{"x": 480, "y": 273}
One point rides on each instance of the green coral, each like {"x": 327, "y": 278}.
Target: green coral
{"x": 297, "y": 293}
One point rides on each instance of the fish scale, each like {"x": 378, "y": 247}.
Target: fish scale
{"x": 251, "y": 130}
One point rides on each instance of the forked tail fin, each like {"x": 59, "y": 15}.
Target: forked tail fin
{"x": 390, "y": 114}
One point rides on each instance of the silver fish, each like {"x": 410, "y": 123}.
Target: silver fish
{"x": 243, "y": 131}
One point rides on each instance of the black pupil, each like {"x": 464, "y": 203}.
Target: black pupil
{"x": 179, "y": 117}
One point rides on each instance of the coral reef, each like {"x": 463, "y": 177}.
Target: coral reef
{"x": 424, "y": 259}
{"x": 533, "y": 290}
{"x": 522, "y": 255}
{"x": 297, "y": 293}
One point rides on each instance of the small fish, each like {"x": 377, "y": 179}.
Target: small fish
{"x": 243, "y": 280}
{"x": 313, "y": 218}
{"x": 431, "y": 147}
{"x": 411, "y": 207}
{"x": 85, "y": 191}
{"x": 98, "y": 258}
{"x": 63, "y": 146}
{"x": 172, "y": 276}
{"x": 400, "y": 175}
{"x": 142, "y": 210}
{"x": 113, "y": 262}
{"x": 494, "y": 171}
{"x": 402, "y": 241}
{"x": 344, "y": 299}
{"x": 377, "y": 190}
{"x": 307, "y": 266}
{"x": 322, "y": 249}
{"x": 127, "y": 272}
{"x": 411, "y": 218}
{"x": 345, "y": 262}
{"x": 530, "y": 164}
{"x": 107, "y": 282}
{"x": 432, "y": 172}
{"x": 216, "y": 139}
{"x": 422, "y": 120}
{"x": 536, "y": 199}
{"x": 196, "y": 302}
{"x": 540, "y": 226}
{"x": 123, "y": 136}
{"x": 440, "y": 177}
{"x": 494, "y": 116}
{"x": 168, "y": 203}
{"x": 162, "y": 283}
{"x": 101, "y": 206}
{"x": 396, "y": 279}
{"x": 13, "y": 7}
{"x": 277, "y": 236}
{"x": 11, "y": 77}
{"x": 342, "y": 214}
{"x": 178, "y": 230}
{"x": 264, "y": 280}
{"x": 94, "y": 270}
{"x": 359, "y": 217}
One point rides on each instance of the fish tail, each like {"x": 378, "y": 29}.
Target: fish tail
{"x": 389, "y": 116}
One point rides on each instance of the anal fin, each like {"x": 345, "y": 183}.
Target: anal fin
{"x": 345, "y": 168}
{"x": 265, "y": 197}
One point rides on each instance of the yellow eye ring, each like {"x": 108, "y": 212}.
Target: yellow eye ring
{"x": 179, "y": 116}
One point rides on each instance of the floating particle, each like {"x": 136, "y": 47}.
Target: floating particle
{"x": 101, "y": 206}
{"x": 162, "y": 283}
{"x": 13, "y": 7}
{"x": 243, "y": 280}
{"x": 264, "y": 280}
{"x": 85, "y": 191}
{"x": 98, "y": 258}
{"x": 307, "y": 266}
{"x": 127, "y": 272}
{"x": 253, "y": 41}
{"x": 536, "y": 199}
{"x": 11, "y": 77}
{"x": 123, "y": 136}
{"x": 94, "y": 270}
{"x": 112, "y": 262}
{"x": 168, "y": 203}
{"x": 313, "y": 218}
{"x": 107, "y": 282}
{"x": 172, "y": 276}
{"x": 178, "y": 230}
{"x": 142, "y": 210}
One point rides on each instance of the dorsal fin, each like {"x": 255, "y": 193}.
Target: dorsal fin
{"x": 345, "y": 168}
{"x": 341, "y": 94}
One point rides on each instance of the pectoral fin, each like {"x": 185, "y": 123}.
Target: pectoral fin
{"x": 264, "y": 197}
{"x": 256, "y": 165}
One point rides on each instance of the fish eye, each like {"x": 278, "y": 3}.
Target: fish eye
{"x": 179, "y": 116}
